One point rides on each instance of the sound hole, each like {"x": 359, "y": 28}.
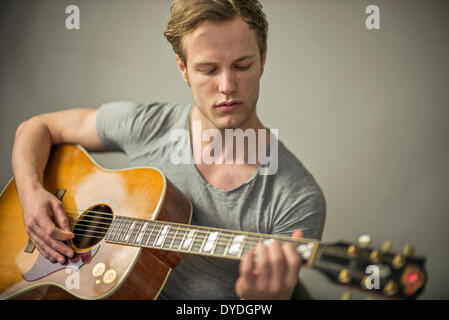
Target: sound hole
{"x": 92, "y": 226}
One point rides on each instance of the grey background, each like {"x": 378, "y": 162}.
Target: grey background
{"x": 365, "y": 110}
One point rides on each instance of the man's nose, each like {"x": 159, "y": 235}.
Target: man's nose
{"x": 226, "y": 84}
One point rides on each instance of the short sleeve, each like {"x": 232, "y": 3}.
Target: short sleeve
{"x": 305, "y": 211}
{"x": 122, "y": 125}
{"x": 299, "y": 201}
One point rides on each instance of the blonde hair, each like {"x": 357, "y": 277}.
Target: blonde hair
{"x": 186, "y": 15}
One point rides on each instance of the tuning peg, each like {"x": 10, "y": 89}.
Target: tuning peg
{"x": 347, "y": 295}
{"x": 352, "y": 250}
{"x": 344, "y": 276}
{"x": 408, "y": 250}
{"x": 391, "y": 288}
{"x": 374, "y": 256}
{"x": 386, "y": 246}
{"x": 364, "y": 241}
{"x": 398, "y": 261}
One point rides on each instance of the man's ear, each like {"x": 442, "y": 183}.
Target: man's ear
{"x": 263, "y": 59}
{"x": 183, "y": 69}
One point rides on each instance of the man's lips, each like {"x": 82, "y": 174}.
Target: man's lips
{"x": 228, "y": 106}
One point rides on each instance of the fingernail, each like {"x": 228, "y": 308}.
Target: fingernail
{"x": 268, "y": 241}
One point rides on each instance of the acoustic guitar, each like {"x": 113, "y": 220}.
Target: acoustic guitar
{"x": 132, "y": 227}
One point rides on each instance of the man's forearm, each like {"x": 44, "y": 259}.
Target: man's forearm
{"x": 30, "y": 154}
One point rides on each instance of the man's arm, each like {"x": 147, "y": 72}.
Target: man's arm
{"x": 45, "y": 220}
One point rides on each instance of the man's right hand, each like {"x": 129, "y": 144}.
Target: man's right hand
{"x": 45, "y": 220}
{"x": 47, "y": 224}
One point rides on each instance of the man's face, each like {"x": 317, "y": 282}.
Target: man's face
{"x": 223, "y": 69}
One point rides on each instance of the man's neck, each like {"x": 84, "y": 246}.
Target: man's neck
{"x": 199, "y": 124}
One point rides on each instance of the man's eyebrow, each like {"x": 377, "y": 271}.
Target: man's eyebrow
{"x": 245, "y": 57}
{"x": 207, "y": 63}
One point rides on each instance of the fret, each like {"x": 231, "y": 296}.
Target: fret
{"x": 150, "y": 233}
{"x": 179, "y": 236}
{"x": 210, "y": 242}
{"x": 241, "y": 247}
{"x": 217, "y": 238}
{"x": 116, "y": 227}
{"x": 198, "y": 242}
{"x": 188, "y": 243}
{"x": 182, "y": 239}
{"x": 228, "y": 244}
{"x": 234, "y": 248}
{"x": 162, "y": 235}
{"x": 111, "y": 229}
{"x": 167, "y": 237}
{"x": 120, "y": 229}
{"x": 174, "y": 237}
{"x": 221, "y": 243}
{"x": 124, "y": 230}
{"x": 305, "y": 250}
{"x": 247, "y": 246}
{"x": 137, "y": 228}
{"x": 142, "y": 230}
{"x": 129, "y": 231}
{"x": 153, "y": 238}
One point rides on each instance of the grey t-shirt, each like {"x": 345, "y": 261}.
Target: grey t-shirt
{"x": 274, "y": 204}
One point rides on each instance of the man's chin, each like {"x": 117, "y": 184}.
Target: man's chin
{"x": 230, "y": 123}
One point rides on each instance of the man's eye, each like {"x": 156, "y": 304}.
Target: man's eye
{"x": 245, "y": 67}
{"x": 210, "y": 71}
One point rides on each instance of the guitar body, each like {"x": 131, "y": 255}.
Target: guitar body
{"x": 100, "y": 270}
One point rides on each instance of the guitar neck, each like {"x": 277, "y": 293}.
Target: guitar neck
{"x": 197, "y": 239}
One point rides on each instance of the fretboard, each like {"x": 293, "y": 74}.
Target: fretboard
{"x": 195, "y": 239}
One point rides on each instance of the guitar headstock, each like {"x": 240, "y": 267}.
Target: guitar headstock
{"x": 393, "y": 275}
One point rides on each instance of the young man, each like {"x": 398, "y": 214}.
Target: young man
{"x": 220, "y": 50}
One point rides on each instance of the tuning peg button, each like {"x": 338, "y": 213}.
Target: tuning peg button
{"x": 408, "y": 250}
{"x": 364, "y": 241}
{"x": 386, "y": 246}
{"x": 352, "y": 250}
{"x": 398, "y": 261}
{"x": 374, "y": 256}
{"x": 344, "y": 276}
{"x": 391, "y": 288}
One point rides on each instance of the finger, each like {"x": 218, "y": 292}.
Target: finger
{"x": 246, "y": 265}
{"x": 52, "y": 230}
{"x": 297, "y": 234}
{"x": 38, "y": 244}
{"x": 46, "y": 250}
{"x": 60, "y": 216}
{"x": 278, "y": 267}
{"x": 263, "y": 268}
{"x": 246, "y": 280}
{"x": 294, "y": 263}
{"x": 46, "y": 234}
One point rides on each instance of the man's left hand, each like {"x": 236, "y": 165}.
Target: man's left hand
{"x": 269, "y": 272}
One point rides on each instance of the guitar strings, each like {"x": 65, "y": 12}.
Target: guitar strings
{"x": 187, "y": 228}
{"x": 200, "y": 235}
{"x": 221, "y": 241}
{"x": 246, "y": 246}
{"x": 194, "y": 247}
{"x": 170, "y": 235}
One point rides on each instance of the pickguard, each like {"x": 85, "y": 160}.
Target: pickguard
{"x": 43, "y": 267}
